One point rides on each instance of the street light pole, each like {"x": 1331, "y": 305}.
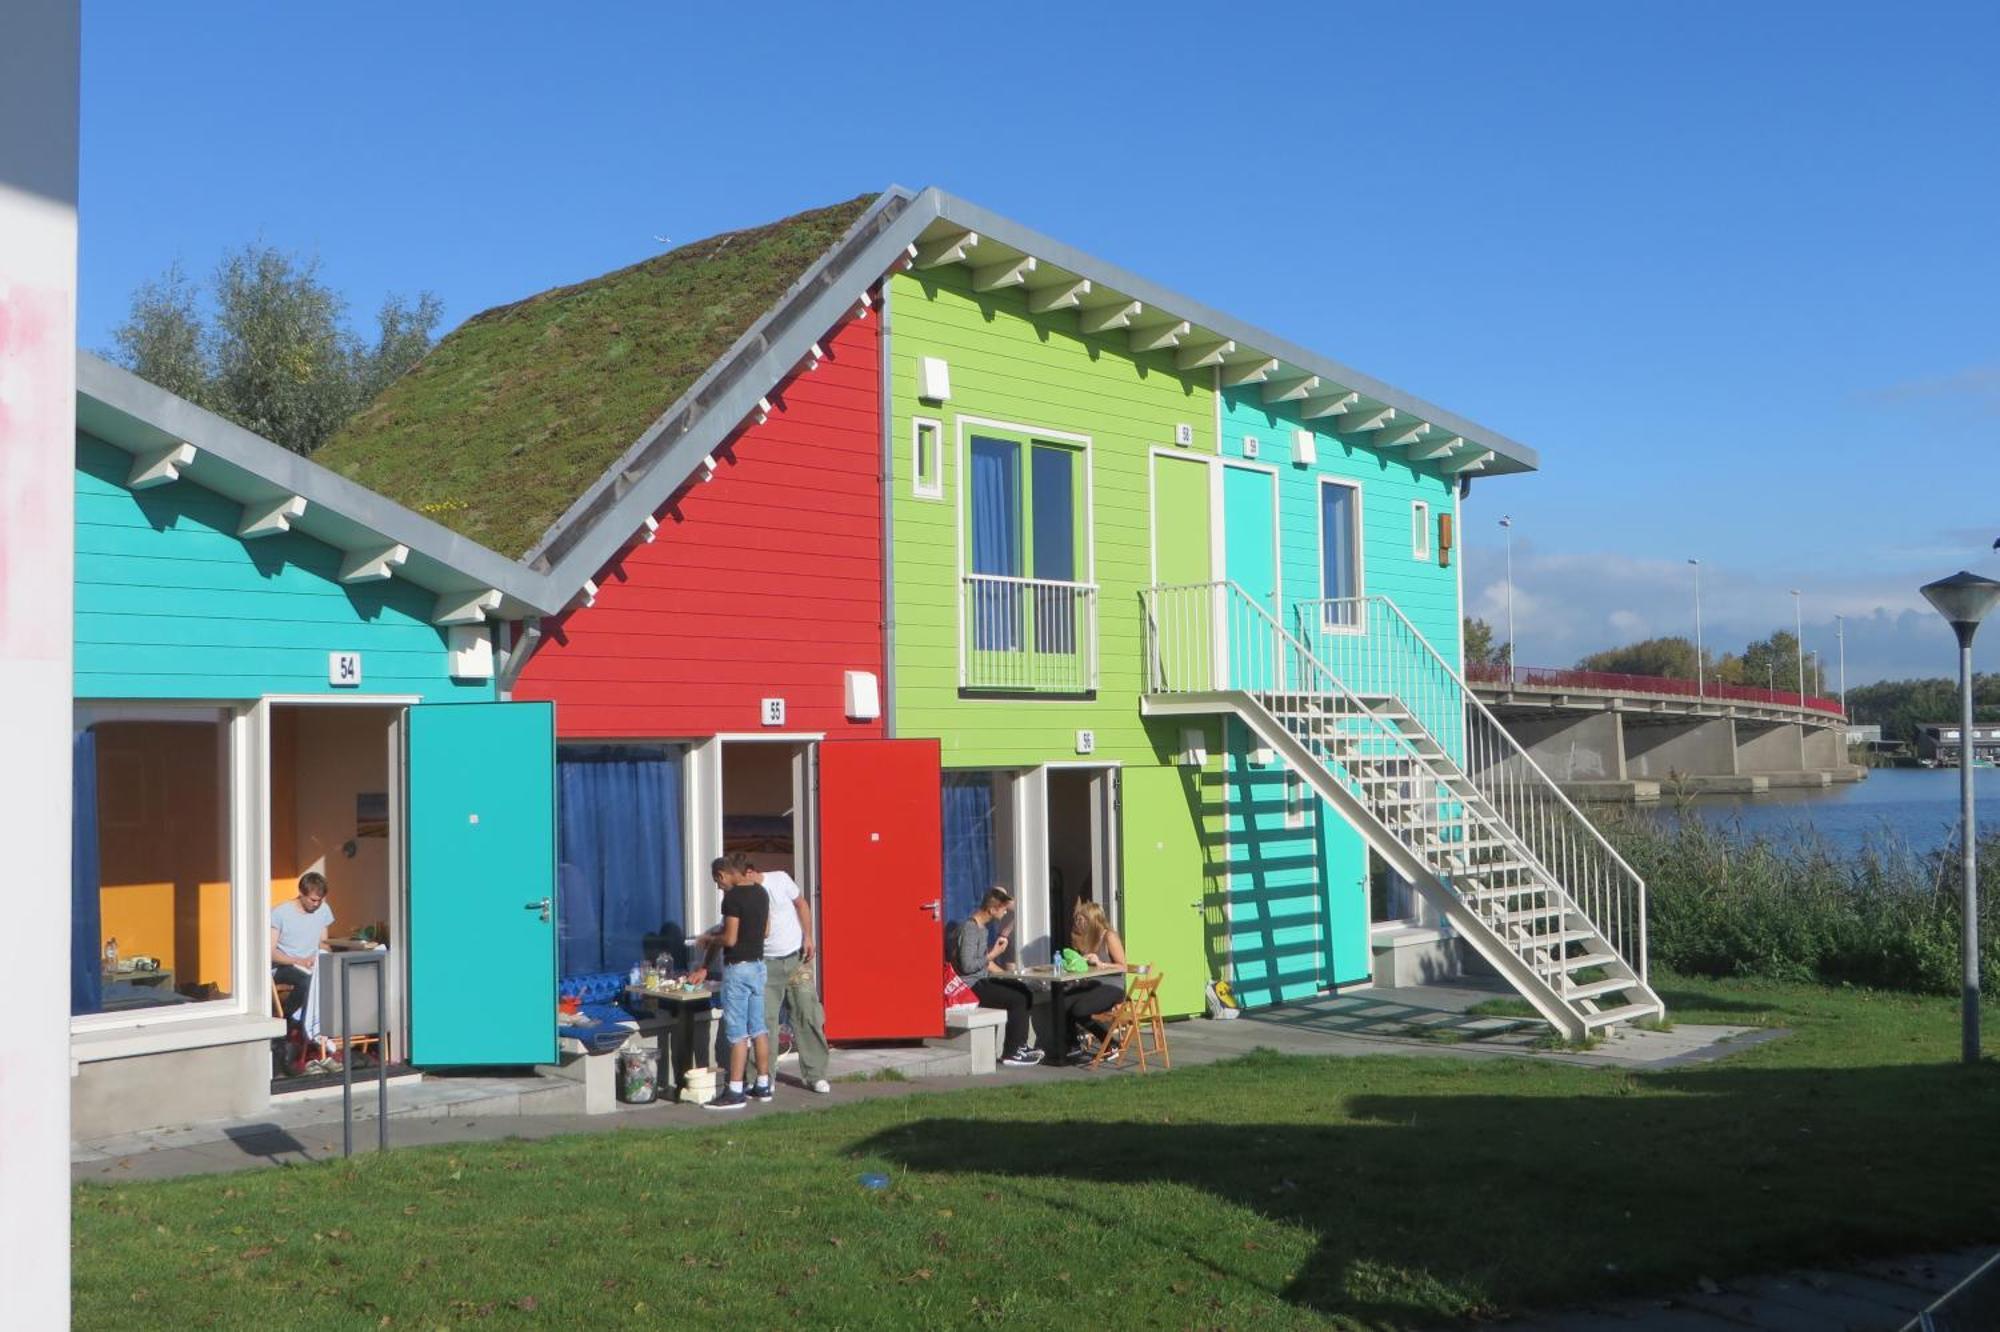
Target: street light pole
{"x": 1964, "y": 599}
{"x": 1700, "y": 675}
{"x": 1840, "y": 633}
{"x": 1799, "y": 642}
{"x": 1507, "y": 526}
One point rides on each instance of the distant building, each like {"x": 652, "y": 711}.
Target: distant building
{"x": 1938, "y": 743}
{"x": 1864, "y": 735}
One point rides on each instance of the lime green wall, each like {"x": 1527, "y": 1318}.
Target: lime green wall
{"x": 1037, "y": 372}
{"x": 1040, "y": 374}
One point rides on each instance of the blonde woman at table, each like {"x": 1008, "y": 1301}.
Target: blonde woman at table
{"x": 1091, "y": 934}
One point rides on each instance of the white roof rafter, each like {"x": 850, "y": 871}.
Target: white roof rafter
{"x": 1064, "y": 295}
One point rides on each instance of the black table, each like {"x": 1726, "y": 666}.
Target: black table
{"x": 1054, "y": 982}
{"x": 681, "y": 1006}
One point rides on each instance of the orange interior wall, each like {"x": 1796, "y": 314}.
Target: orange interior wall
{"x": 322, "y": 758}
{"x": 164, "y": 859}
{"x": 284, "y": 804}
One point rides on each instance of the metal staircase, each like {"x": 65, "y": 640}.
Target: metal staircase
{"x": 1363, "y": 709}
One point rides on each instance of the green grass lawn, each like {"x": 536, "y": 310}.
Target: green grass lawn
{"x": 1268, "y": 1192}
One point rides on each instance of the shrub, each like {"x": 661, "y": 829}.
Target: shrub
{"x": 1722, "y": 904}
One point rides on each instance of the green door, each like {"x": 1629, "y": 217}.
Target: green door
{"x": 480, "y": 838}
{"x": 1173, "y": 909}
{"x": 1183, "y": 565}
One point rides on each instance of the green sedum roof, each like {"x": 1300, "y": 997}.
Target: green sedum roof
{"x": 516, "y": 412}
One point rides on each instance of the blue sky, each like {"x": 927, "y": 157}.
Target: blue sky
{"x": 1731, "y": 268}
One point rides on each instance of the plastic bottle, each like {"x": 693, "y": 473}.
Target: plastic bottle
{"x": 634, "y": 976}
{"x": 111, "y": 954}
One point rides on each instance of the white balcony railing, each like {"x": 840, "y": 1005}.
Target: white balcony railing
{"x": 1027, "y": 635}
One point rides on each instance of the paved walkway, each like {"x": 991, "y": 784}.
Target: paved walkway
{"x": 1880, "y": 1296}
{"x": 1430, "y": 1020}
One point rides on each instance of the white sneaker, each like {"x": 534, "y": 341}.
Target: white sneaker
{"x": 823, "y": 1087}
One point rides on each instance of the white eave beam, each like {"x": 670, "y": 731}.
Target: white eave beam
{"x": 1432, "y": 449}
{"x": 1105, "y": 318}
{"x": 1256, "y": 370}
{"x": 1403, "y": 432}
{"x": 946, "y": 250}
{"x": 1158, "y": 337}
{"x": 1288, "y": 390}
{"x": 1315, "y": 408}
{"x": 1471, "y": 462}
{"x": 1061, "y": 296}
{"x": 159, "y": 467}
{"x": 465, "y": 607}
{"x": 1203, "y": 354}
{"x": 1007, "y": 273}
{"x": 374, "y": 565}
{"x": 1372, "y": 418}
{"x": 270, "y": 517}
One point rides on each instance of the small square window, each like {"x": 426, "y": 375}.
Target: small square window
{"x": 1420, "y": 529}
{"x": 926, "y": 459}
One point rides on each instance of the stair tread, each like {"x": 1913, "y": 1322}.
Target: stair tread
{"x": 1595, "y": 988}
{"x": 1580, "y": 962}
{"x": 1627, "y": 1013}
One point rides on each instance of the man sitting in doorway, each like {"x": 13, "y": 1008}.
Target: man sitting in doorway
{"x": 298, "y": 932}
{"x": 788, "y": 955}
{"x": 976, "y": 963}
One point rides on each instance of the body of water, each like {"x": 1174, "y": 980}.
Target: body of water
{"x": 1915, "y": 808}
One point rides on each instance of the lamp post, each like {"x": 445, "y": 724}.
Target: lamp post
{"x": 1799, "y": 642}
{"x": 1507, "y": 526}
{"x": 1700, "y": 676}
{"x": 1840, "y": 633}
{"x": 1964, "y": 599}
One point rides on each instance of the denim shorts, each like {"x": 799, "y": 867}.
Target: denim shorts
{"x": 743, "y": 1001}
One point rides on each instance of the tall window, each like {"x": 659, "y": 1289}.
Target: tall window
{"x": 926, "y": 463}
{"x": 153, "y": 899}
{"x": 1420, "y": 529}
{"x": 1024, "y": 528}
{"x": 1340, "y": 551}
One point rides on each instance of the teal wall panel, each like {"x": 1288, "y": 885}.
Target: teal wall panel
{"x": 1426, "y": 589}
{"x": 171, "y": 604}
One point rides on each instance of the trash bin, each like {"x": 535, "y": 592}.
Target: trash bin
{"x": 638, "y": 1076}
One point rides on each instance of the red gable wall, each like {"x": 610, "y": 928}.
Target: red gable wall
{"x": 763, "y": 582}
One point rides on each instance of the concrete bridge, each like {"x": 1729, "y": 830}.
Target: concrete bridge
{"x": 1605, "y": 736}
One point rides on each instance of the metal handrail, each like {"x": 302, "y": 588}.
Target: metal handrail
{"x": 1384, "y": 658}
{"x": 1216, "y": 638}
{"x": 1027, "y": 635}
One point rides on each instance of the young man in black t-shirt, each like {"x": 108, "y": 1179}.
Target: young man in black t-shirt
{"x": 746, "y": 914}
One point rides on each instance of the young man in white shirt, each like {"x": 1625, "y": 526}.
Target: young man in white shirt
{"x": 788, "y": 955}
{"x": 298, "y": 931}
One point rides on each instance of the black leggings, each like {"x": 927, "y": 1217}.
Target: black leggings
{"x": 1014, "y": 999}
{"x": 301, "y": 982}
{"x": 1087, "y": 1001}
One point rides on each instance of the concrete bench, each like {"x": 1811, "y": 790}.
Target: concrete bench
{"x": 974, "y": 1033}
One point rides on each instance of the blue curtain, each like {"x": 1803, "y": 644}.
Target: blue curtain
{"x": 1336, "y": 534}
{"x": 620, "y": 855}
{"x": 86, "y": 933}
{"x": 996, "y": 543}
{"x": 1053, "y": 472}
{"x": 968, "y": 842}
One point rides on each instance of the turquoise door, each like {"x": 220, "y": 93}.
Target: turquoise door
{"x": 480, "y": 836}
{"x": 1249, "y": 508}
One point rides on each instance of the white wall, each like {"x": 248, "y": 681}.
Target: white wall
{"x": 38, "y": 168}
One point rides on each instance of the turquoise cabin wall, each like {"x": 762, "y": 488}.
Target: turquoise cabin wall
{"x": 1426, "y": 591}
{"x": 171, "y": 604}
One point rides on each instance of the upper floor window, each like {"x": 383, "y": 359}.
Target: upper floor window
{"x": 1340, "y": 550}
{"x": 926, "y": 459}
{"x": 1420, "y": 529}
{"x": 1027, "y": 560}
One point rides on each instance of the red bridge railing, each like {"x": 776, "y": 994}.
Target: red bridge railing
{"x": 1547, "y": 677}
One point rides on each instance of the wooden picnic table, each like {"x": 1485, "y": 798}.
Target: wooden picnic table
{"x": 1054, "y": 980}
{"x": 681, "y": 1005}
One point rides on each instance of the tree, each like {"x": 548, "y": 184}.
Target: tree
{"x": 276, "y": 356}
{"x": 1672, "y": 658}
{"x": 1770, "y": 663}
{"x": 1480, "y": 649}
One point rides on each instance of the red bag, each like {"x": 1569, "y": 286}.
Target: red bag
{"x": 957, "y": 994}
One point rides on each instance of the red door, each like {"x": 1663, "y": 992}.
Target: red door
{"x": 881, "y": 870}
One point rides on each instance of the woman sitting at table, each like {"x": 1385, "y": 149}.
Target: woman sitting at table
{"x": 978, "y": 963}
{"x": 1091, "y": 934}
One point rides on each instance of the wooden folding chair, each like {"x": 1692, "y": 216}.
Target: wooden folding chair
{"x": 1132, "y": 1021}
